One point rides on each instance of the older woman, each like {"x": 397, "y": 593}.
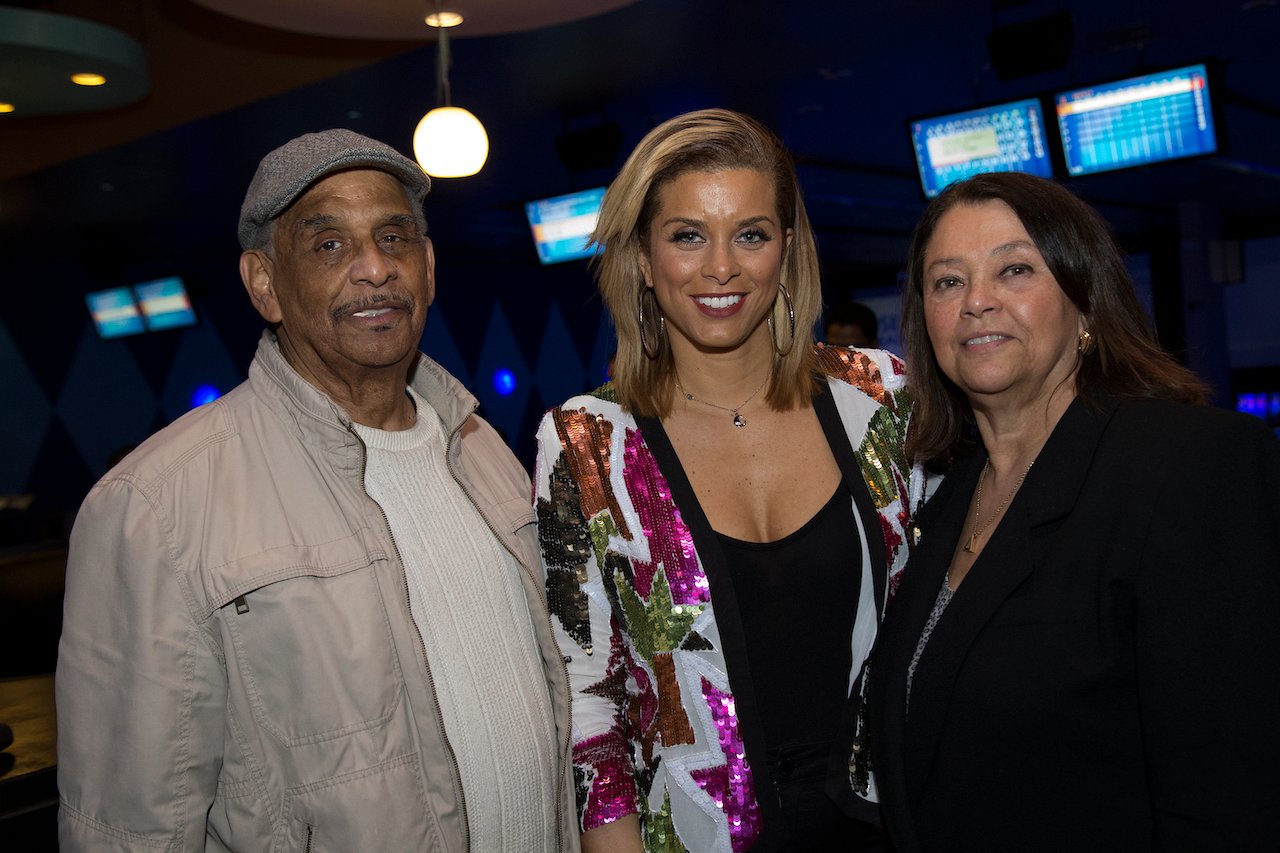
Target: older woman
{"x": 720, "y": 523}
{"x": 1084, "y": 653}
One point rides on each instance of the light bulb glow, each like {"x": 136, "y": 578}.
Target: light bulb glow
{"x": 6, "y": 107}
{"x": 204, "y": 394}
{"x": 450, "y": 142}
{"x": 87, "y": 78}
{"x": 504, "y": 382}
{"x": 443, "y": 19}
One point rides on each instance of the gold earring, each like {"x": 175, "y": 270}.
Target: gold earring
{"x": 654, "y": 349}
{"x": 1086, "y": 343}
{"x": 791, "y": 322}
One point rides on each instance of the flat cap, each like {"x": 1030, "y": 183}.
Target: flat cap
{"x": 286, "y": 172}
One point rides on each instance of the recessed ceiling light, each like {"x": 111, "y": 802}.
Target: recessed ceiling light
{"x": 49, "y": 48}
{"x": 88, "y": 78}
{"x": 443, "y": 19}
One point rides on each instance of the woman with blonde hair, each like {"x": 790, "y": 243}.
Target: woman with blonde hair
{"x": 721, "y": 523}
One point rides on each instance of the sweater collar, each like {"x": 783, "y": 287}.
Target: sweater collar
{"x": 315, "y": 418}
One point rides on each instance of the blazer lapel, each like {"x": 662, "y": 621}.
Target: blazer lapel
{"x": 1011, "y": 555}
{"x": 838, "y": 438}
{"x": 938, "y": 528}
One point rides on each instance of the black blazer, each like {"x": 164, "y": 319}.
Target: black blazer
{"x": 1107, "y": 677}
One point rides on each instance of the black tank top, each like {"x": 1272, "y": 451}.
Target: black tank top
{"x": 797, "y": 598}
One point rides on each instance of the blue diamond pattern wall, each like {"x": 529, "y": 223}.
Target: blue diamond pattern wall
{"x": 74, "y": 402}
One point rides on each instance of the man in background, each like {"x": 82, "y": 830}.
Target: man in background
{"x": 852, "y": 324}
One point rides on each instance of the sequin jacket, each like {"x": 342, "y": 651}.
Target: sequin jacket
{"x": 656, "y": 726}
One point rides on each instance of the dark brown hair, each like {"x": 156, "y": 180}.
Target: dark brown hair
{"x": 1080, "y": 250}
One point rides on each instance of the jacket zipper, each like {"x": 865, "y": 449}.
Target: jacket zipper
{"x": 565, "y": 751}
{"x": 422, "y": 647}
{"x": 310, "y": 831}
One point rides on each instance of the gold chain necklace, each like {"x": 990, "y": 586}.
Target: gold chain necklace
{"x": 738, "y": 419}
{"x": 972, "y": 545}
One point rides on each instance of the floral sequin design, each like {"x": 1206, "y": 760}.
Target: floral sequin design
{"x": 669, "y": 538}
{"x": 606, "y": 787}
{"x": 730, "y": 784}
{"x": 656, "y": 597}
{"x": 587, "y": 439}
{"x": 667, "y": 592}
{"x": 646, "y": 568}
{"x": 887, "y": 472}
{"x": 858, "y": 369}
{"x": 566, "y": 546}
{"x": 882, "y": 454}
{"x": 660, "y": 831}
{"x": 657, "y": 627}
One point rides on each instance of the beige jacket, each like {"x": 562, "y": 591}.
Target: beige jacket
{"x": 238, "y": 667}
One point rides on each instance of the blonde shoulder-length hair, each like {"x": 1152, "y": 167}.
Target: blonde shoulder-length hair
{"x": 703, "y": 141}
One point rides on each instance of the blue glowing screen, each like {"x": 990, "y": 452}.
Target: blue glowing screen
{"x": 164, "y": 304}
{"x": 1004, "y": 138}
{"x": 563, "y": 225}
{"x": 114, "y": 312}
{"x": 1137, "y": 121}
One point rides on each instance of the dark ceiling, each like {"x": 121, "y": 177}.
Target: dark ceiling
{"x": 836, "y": 78}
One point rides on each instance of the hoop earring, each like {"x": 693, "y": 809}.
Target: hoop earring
{"x": 1086, "y": 343}
{"x": 661, "y": 334}
{"x": 791, "y": 320}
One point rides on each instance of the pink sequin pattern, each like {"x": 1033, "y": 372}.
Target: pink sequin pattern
{"x": 670, "y": 542}
{"x": 730, "y": 784}
{"x": 612, "y": 788}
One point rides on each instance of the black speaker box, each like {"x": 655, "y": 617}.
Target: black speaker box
{"x": 1033, "y": 46}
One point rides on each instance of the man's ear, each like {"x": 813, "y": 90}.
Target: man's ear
{"x": 257, "y": 272}
{"x": 429, "y": 264}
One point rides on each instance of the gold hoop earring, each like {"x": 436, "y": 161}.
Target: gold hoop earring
{"x": 791, "y": 320}
{"x": 661, "y": 334}
{"x": 1086, "y": 343}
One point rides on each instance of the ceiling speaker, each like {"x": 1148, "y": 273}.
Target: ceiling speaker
{"x": 590, "y": 148}
{"x": 1032, "y": 46}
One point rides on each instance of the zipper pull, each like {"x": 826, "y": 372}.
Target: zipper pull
{"x": 242, "y": 606}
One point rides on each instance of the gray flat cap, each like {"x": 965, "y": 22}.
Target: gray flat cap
{"x": 286, "y": 172}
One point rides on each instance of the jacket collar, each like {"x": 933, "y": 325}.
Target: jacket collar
{"x": 317, "y": 420}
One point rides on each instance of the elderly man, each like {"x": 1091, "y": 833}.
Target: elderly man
{"x": 304, "y": 616}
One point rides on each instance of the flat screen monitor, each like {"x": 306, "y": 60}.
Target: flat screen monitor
{"x": 164, "y": 304}
{"x": 1136, "y": 121}
{"x": 115, "y": 313}
{"x": 562, "y": 225}
{"x": 1002, "y": 138}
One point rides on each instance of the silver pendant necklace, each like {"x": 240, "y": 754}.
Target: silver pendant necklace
{"x": 738, "y": 419}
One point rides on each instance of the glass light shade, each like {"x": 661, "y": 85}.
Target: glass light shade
{"x": 450, "y": 143}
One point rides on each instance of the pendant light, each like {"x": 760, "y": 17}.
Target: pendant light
{"x": 449, "y": 141}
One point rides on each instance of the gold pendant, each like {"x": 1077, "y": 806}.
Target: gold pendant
{"x": 972, "y": 544}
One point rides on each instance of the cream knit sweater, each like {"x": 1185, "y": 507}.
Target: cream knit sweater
{"x": 468, "y": 604}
